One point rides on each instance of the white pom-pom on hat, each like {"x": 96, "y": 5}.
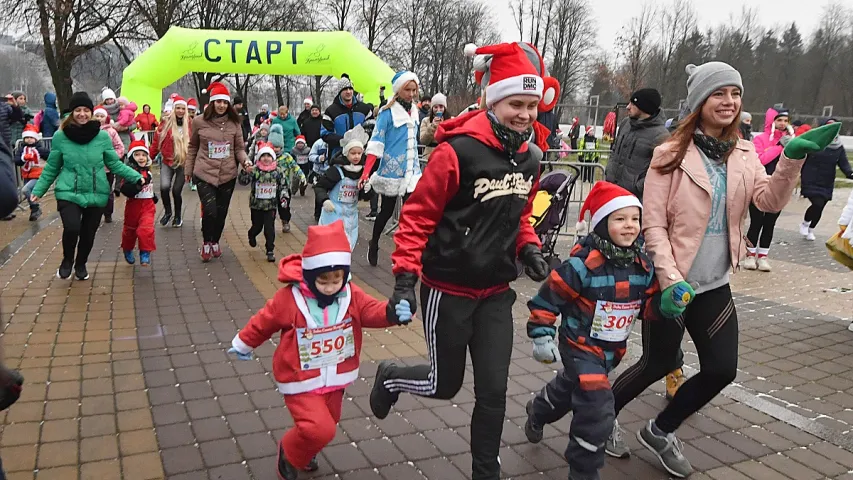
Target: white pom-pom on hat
{"x": 549, "y": 95}
{"x": 690, "y": 68}
{"x": 481, "y": 63}
{"x": 470, "y": 50}
{"x": 203, "y": 90}
{"x": 582, "y": 227}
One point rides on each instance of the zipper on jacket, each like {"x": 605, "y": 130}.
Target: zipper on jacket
{"x": 76, "y": 176}
{"x": 94, "y": 180}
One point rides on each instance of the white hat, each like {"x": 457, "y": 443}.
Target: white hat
{"x": 106, "y": 93}
{"x": 100, "y": 109}
{"x": 309, "y": 101}
{"x": 439, "y": 99}
{"x": 169, "y": 104}
{"x": 266, "y": 147}
{"x": 355, "y": 137}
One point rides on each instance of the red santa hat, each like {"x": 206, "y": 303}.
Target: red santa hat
{"x": 513, "y": 60}
{"x": 192, "y": 104}
{"x": 100, "y": 109}
{"x": 137, "y": 145}
{"x": 178, "y": 100}
{"x": 301, "y": 138}
{"x": 604, "y": 199}
{"x": 218, "y": 91}
{"x": 510, "y": 72}
{"x": 265, "y": 147}
{"x": 326, "y": 246}
{"x": 31, "y": 131}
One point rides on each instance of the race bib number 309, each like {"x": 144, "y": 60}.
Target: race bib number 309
{"x": 614, "y": 321}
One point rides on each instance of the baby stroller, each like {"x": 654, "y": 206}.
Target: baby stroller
{"x": 551, "y": 210}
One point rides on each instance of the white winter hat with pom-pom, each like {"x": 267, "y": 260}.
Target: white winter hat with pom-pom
{"x": 107, "y": 93}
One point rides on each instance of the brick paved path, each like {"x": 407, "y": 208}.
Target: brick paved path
{"x": 127, "y": 376}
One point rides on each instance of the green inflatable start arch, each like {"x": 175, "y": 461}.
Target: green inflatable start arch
{"x": 183, "y": 50}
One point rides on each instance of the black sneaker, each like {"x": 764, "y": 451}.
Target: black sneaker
{"x": 65, "y": 268}
{"x": 81, "y": 272}
{"x": 164, "y": 220}
{"x": 271, "y": 257}
{"x": 253, "y": 241}
{"x": 302, "y": 194}
{"x": 312, "y": 466}
{"x": 381, "y": 399}
{"x": 35, "y": 213}
{"x": 371, "y": 217}
{"x": 177, "y": 222}
{"x": 532, "y": 431}
{"x": 286, "y": 471}
{"x": 373, "y": 253}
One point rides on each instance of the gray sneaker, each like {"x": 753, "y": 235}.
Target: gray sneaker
{"x": 667, "y": 449}
{"x": 615, "y": 445}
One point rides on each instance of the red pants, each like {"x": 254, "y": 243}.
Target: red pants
{"x": 315, "y": 421}
{"x": 139, "y": 224}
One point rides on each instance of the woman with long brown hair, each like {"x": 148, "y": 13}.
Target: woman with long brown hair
{"x": 697, "y": 193}
{"x": 172, "y": 141}
{"x": 216, "y": 149}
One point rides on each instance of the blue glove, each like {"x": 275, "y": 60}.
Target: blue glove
{"x": 404, "y": 312}
{"x": 545, "y": 350}
{"x": 241, "y": 356}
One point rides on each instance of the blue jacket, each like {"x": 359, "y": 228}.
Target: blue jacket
{"x": 318, "y": 156}
{"x": 50, "y": 116}
{"x": 818, "y": 173}
{"x": 575, "y": 289}
{"x": 340, "y": 118}
{"x": 395, "y": 145}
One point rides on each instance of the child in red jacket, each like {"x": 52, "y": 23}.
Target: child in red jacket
{"x": 320, "y": 315}
{"x": 140, "y": 207}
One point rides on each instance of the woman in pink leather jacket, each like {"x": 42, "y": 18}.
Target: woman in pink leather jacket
{"x": 697, "y": 193}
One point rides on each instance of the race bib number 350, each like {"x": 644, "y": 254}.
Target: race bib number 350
{"x": 614, "y": 321}
{"x": 325, "y": 346}
{"x": 218, "y": 150}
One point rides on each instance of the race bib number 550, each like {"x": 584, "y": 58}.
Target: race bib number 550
{"x": 325, "y": 346}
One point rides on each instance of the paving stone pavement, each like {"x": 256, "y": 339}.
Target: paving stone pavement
{"x": 127, "y": 376}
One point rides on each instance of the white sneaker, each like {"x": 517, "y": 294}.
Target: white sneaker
{"x": 749, "y": 263}
{"x": 804, "y": 228}
{"x": 850, "y": 327}
{"x": 763, "y": 264}
{"x": 810, "y": 236}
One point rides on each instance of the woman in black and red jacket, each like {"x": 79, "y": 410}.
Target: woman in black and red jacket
{"x": 460, "y": 232}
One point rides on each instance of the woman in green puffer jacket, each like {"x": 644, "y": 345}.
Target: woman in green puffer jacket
{"x": 79, "y": 152}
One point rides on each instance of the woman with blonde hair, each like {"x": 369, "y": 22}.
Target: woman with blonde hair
{"x": 172, "y": 141}
{"x": 394, "y": 145}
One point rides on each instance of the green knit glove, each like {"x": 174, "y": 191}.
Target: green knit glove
{"x": 674, "y": 300}
{"x": 812, "y": 141}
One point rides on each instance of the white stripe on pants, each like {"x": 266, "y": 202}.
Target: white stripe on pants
{"x": 428, "y": 386}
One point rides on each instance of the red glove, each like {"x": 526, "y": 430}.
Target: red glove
{"x": 368, "y": 167}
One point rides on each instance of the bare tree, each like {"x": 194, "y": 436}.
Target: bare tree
{"x": 676, "y": 22}
{"x": 374, "y": 21}
{"x": 637, "y": 45}
{"x": 340, "y": 13}
{"x": 571, "y": 44}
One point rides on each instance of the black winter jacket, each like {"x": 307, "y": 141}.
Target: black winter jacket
{"x": 632, "y": 152}
{"x": 9, "y": 114}
{"x": 818, "y": 174}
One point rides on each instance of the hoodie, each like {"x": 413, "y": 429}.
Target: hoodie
{"x": 49, "y": 122}
{"x": 462, "y": 228}
{"x": 293, "y": 309}
{"x": 767, "y": 144}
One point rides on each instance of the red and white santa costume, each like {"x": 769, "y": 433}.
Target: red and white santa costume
{"x": 140, "y": 209}
{"x": 313, "y": 394}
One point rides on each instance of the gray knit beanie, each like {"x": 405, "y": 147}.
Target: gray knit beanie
{"x": 707, "y": 78}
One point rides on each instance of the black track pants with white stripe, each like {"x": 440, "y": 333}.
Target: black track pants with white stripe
{"x": 711, "y": 321}
{"x": 454, "y": 325}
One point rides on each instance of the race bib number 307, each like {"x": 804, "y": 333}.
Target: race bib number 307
{"x": 614, "y": 321}
{"x": 218, "y": 150}
{"x": 325, "y": 346}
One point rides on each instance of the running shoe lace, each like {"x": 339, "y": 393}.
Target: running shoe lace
{"x": 675, "y": 445}
{"x": 617, "y": 434}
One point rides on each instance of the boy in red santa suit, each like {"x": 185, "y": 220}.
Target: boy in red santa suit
{"x": 140, "y": 208}
{"x": 320, "y": 315}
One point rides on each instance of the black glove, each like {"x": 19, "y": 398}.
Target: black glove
{"x": 117, "y": 193}
{"x": 10, "y": 389}
{"x": 156, "y": 199}
{"x": 404, "y": 289}
{"x": 535, "y": 265}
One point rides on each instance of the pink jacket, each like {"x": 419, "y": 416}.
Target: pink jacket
{"x": 767, "y": 143}
{"x": 677, "y": 206}
{"x": 127, "y": 116}
{"x": 117, "y": 143}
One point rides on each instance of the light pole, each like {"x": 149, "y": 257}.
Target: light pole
{"x": 593, "y": 103}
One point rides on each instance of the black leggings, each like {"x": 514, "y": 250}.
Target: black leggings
{"x": 711, "y": 321}
{"x": 386, "y": 211}
{"x": 762, "y": 223}
{"x": 453, "y": 326}
{"x": 108, "y": 211}
{"x": 171, "y": 182}
{"x": 215, "y": 200}
{"x": 264, "y": 220}
{"x": 79, "y": 226}
{"x": 814, "y": 211}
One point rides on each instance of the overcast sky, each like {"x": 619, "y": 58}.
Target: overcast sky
{"x": 611, "y": 15}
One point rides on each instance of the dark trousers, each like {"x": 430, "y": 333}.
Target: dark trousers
{"x": 171, "y": 182}
{"x": 284, "y": 208}
{"x": 374, "y": 203}
{"x": 581, "y": 386}
{"x": 215, "y": 200}
{"x": 264, "y": 220}
{"x": 763, "y": 224}
{"x": 711, "y": 321}
{"x": 79, "y": 226}
{"x": 386, "y": 211}
{"x": 108, "y": 211}
{"x": 453, "y": 326}
{"x": 815, "y": 210}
